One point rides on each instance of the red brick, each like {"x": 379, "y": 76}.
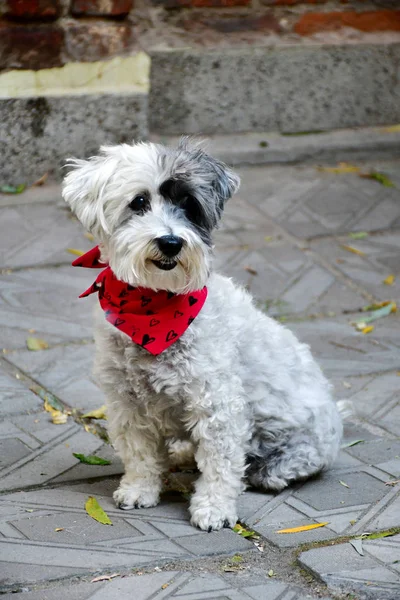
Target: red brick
{"x": 235, "y": 24}
{"x": 293, "y": 2}
{"x": 101, "y": 8}
{"x": 201, "y": 3}
{"x": 32, "y": 9}
{"x": 94, "y": 40}
{"x": 30, "y": 46}
{"x": 369, "y": 21}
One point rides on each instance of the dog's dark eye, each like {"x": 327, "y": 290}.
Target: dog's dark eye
{"x": 139, "y": 203}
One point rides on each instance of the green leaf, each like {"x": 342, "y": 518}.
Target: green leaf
{"x": 381, "y": 534}
{"x": 243, "y": 531}
{"x": 36, "y": 344}
{"x": 354, "y": 443}
{"x": 95, "y": 511}
{"x": 237, "y": 558}
{"x": 91, "y": 460}
{"x": 263, "y": 144}
{"x": 377, "y": 314}
{"x": 12, "y": 189}
{"x": 358, "y": 235}
{"x": 381, "y": 178}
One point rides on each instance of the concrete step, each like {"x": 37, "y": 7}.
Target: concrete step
{"x": 357, "y": 144}
{"x": 287, "y": 88}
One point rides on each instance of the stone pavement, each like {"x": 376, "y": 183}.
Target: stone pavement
{"x": 283, "y": 237}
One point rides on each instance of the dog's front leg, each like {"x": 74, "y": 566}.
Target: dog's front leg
{"x": 221, "y": 451}
{"x": 143, "y": 453}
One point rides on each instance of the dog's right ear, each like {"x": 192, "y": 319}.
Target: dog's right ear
{"x": 83, "y": 190}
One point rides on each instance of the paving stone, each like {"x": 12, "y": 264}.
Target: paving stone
{"x": 344, "y": 352}
{"x": 45, "y": 300}
{"x": 23, "y": 228}
{"x": 85, "y": 544}
{"x": 379, "y": 259}
{"x": 65, "y": 371}
{"x": 375, "y": 575}
{"x": 15, "y": 398}
{"x": 172, "y": 584}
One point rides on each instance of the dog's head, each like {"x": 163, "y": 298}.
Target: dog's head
{"x": 152, "y": 209}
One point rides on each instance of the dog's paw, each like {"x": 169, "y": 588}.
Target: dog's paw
{"x": 212, "y": 517}
{"x": 140, "y": 494}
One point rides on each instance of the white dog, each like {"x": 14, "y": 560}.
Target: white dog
{"x": 232, "y": 383}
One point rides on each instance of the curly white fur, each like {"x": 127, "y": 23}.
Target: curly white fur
{"x": 237, "y": 386}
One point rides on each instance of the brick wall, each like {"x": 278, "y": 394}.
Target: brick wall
{"x": 36, "y": 34}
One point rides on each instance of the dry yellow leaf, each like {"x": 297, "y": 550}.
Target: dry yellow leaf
{"x": 105, "y": 577}
{"x": 59, "y": 529}
{"x": 98, "y": 413}
{"x": 164, "y": 586}
{"x": 353, "y": 250}
{"x": 95, "y": 511}
{"x": 35, "y": 344}
{"x": 368, "y": 329}
{"x": 303, "y": 528}
{"x": 389, "y": 280}
{"x": 392, "y": 129}
{"x": 57, "y": 416}
{"x": 75, "y": 251}
{"x": 89, "y": 236}
{"x": 341, "y": 168}
{"x": 60, "y": 418}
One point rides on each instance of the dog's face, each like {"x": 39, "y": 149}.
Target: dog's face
{"x": 152, "y": 209}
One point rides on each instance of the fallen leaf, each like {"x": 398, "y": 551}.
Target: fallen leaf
{"x": 75, "y": 251}
{"x": 353, "y": 250}
{"x": 59, "y": 529}
{"x": 263, "y": 144}
{"x": 268, "y": 238}
{"x": 36, "y": 344}
{"x": 91, "y": 460}
{"x": 358, "y": 235}
{"x": 376, "y": 305}
{"x": 48, "y": 398}
{"x": 393, "y": 482}
{"x": 164, "y": 586}
{"x": 31, "y": 330}
{"x": 392, "y": 128}
{"x": 354, "y": 443}
{"x": 237, "y": 558}
{"x": 357, "y": 545}
{"x": 379, "y": 177}
{"x": 59, "y": 418}
{"x": 89, "y": 236}
{"x": 360, "y": 324}
{"x": 104, "y": 577}
{"x": 41, "y": 181}
{"x": 389, "y": 280}
{"x": 344, "y": 484}
{"x": 95, "y": 511}
{"x": 346, "y": 384}
{"x": 251, "y": 270}
{"x": 380, "y": 534}
{"x": 271, "y": 573}
{"x": 367, "y": 329}
{"x": 303, "y": 528}
{"x": 98, "y": 413}
{"x": 353, "y": 521}
{"x": 243, "y": 531}
{"x": 28, "y": 509}
{"x": 341, "y": 168}
{"x": 12, "y": 189}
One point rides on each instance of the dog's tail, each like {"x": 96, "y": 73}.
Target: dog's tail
{"x": 345, "y": 408}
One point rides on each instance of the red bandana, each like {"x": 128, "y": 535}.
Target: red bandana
{"x": 154, "y": 320}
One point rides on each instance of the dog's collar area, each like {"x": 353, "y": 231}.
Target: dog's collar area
{"x": 153, "y": 320}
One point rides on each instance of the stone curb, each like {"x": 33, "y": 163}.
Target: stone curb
{"x": 272, "y": 148}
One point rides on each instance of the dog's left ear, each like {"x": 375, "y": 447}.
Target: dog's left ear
{"x": 226, "y": 182}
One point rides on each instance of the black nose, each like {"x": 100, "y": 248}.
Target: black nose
{"x": 170, "y": 245}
